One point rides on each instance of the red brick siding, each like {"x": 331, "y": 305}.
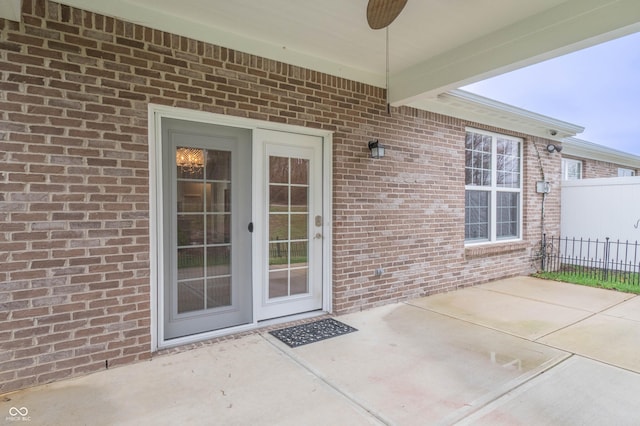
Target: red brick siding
{"x": 74, "y": 232}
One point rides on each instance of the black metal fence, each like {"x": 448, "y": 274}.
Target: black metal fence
{"x": 604, "y": 260}
{"x": 281, "y": 252}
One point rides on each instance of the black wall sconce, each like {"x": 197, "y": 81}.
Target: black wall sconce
{"x": 376, "y": 148}
{"x": 551, "y": 148}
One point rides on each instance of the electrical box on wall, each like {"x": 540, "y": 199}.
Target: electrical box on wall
{"x": 543, "y": 187}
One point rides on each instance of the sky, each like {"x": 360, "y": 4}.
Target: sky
{"x": 597, "y": 88}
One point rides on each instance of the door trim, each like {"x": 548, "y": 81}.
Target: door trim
{"x": 156, "y": 232}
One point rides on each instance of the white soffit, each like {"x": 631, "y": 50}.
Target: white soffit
{"x": 471, "y": 107}
{"x": 570, "y": 26}
{"x": 11, "y": 9}
{"x": 434, "y": 45}
{"x": 574, "y": 147}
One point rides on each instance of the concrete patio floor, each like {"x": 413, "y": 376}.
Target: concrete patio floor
{"x": 520, "y": 351}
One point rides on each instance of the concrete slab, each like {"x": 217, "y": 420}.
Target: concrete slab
{"x": 628, "y": 310}
{"x": 241, "y": 382}
{"x": 526, "y": 318}
{"x": 563, "y": 294}
{"x": 443, "y": 359}
{"x": 601, "y": 337}
{"x": 412, "y": 366}
{"x": 577, "y": 392}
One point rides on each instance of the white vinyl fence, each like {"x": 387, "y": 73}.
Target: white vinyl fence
{"x": 601, "y": 208}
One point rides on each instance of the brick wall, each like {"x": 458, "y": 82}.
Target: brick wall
{"x": 74, "y": 232}
{"x": 600, "y": 169}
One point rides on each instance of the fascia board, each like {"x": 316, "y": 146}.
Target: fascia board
{"x": 471, "y": 107}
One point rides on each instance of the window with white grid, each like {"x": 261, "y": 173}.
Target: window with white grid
{"x": 493, "y": 187}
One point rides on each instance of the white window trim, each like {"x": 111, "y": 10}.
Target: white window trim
{"x": 626, "y": 172}
{"x": 493, "y": 190}
{"x": 565, "y": 169}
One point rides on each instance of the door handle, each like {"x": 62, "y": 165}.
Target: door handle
{"x": 250, "y": 227}
{"x": 317, "y": 236}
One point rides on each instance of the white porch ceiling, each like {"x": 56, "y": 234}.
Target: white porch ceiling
{"x": 10, "y": 9}
{"x": 435, "y": 45}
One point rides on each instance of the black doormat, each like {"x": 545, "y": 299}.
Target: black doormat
{"x": 304, "y": 334}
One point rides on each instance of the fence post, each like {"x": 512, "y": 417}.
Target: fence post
{"x": 543, "y": 250}
{"x": 605, "y": 272}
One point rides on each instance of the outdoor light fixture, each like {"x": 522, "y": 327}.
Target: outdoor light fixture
{"x": 551, "y": 148}
{"x": 376, "y": 148}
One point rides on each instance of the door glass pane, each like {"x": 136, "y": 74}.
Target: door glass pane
{"x": 278, "y": 198}
{"x": 190, "y": 296}
{"x": 278, "y": 283}
{"x": 190, "y": 230}
{"x": 218, "y": 197}
{"x": 218, "y": 228}
{"x": 278, "y": 169}
{"x": 190, "y": 263}
{"x": 218, "y": 165}
{"x": 279, "y": 255}
{"x": 218, "y": 261}
{"x": 299, "y": 253}
{"x": 299, "y": 223}
{"x": 299, "y": 171}
{"x": 190, "y": 196}
{"x": 203, "y": 229}
{"x": 278, "y": 227}
{"x": 218, "y": 292}
{"x": 288, "y": 226}
{"x": 299, "y": 199}
{"x": 299, "y": 280}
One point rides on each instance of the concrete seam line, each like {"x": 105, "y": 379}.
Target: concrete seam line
{"x": 463, "y": 418}
{"x": 349, "y": 397}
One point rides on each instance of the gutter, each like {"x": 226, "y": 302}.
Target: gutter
{"x": 575, "y": 147}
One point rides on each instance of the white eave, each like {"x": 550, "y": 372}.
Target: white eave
{"x": 10, "y": 9}
{"x": 574, "y": 147}
{"x": 468, "y": 106}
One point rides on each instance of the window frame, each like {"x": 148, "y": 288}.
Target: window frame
{"x": 626, "y": 172}
{"x": 565, "y": 169}
{"x": 493, "y": 189}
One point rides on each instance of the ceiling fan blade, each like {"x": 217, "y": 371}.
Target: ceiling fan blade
{"x": 381, "y": 13}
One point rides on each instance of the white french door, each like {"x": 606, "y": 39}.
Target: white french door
{"x": 241, "y": 227}
{"x": 290, "y": 273}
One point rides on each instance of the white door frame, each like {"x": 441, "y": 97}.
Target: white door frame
{"x": 155, "y": 115}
